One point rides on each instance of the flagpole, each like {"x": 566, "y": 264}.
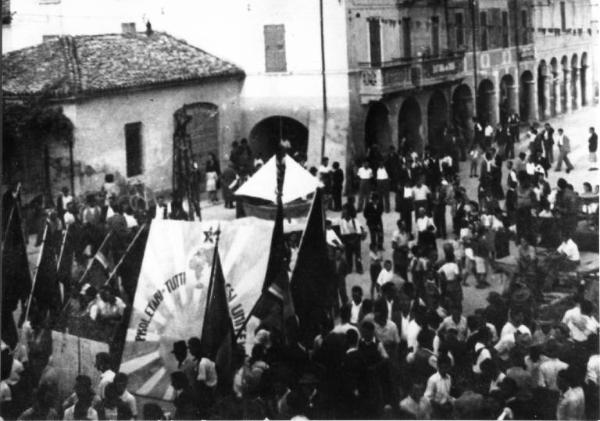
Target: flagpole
{"x": 10, "y": 216}
{"x": 87, "y": 269}
{"x": 122, "y": 259}
{"x": 62, "y": 248}
{"x": 37, "y": 270}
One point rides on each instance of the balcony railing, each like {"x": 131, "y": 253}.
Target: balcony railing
{"x": 408, "y": 74}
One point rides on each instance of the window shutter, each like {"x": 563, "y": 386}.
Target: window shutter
{"x": 275, "y": 48}
{"x": 133, "y": 148}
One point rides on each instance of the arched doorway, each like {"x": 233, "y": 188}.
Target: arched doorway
{"x": 437, "y": 119}
{"x": 486, "y": 102}
{"x": 584, "y": 82}
{"x": 267, "y": 134}
{"x": 542, "y": 90}
{"x": 564, "y": 85}
{"x": 507, "y": 97}
{"x": 527, "y": 100}
{"x": 409, "y": 125}
{"x": 554, "y": 87}
{"x": 575, "y": 81}
{"x": 377, "y": 126}
{"x": 463, "y": 112}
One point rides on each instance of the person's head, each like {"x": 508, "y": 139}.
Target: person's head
{"x": 335, "y": 165}
{"x": 103, "y": 361}
{"x": 587, "y": 187}
{"x": 121, "y": 380}
{"x": 509, "y": 164}
{"x": 345, "y": 313}
{"x": 325, "y": 161}
{"x": 489, "y": 369}
{"x": 587, "y": 308}
{"x": 111, "y": 395}
{"x": 179, "y": 380}
{"x": 560, "y": 131}
{"x": 522, "y": 156}
{"x": 367, "y": 306}
{"x": 380, "y": 311}
{"x": 152, "y": 411}
{"x": 592, "y": 130}
{"x": 195, "y": 347}
{"x": 416, "y": 391}
{"x": 444, "y": 364}
{"x": 357, "y": 294}
{"x": 565, "y": 379}
{"x": 106, "y": 295}
{"x": 244, "y": 142}
{"x": 401, "y": 225}
{"x": 389, "y": 291}
{"x": 421, "y": 212}
{"x": 313, "y": 171}
{"x": 367, "y": 330}
{"x": 387, "y": 265}
{"x": 180, "y": 351}
{"x": 561, "y": 184}
{"x": 351, "y": 338}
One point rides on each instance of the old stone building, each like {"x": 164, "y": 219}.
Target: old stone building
{"x": 120, "y": 93}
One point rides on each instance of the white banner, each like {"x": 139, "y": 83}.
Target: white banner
{"x": 170, "y": 299}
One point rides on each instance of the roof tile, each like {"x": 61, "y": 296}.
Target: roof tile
{"x": 83, "y": 64}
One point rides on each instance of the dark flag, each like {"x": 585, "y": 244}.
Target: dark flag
{"x": 312, "y": 280}
{"x": 217, "y": 330}
{"x": 98, "y": 270}
{"x": 128, "y": 269}
{"x": 16, "y": 279}
{"x": 45, "y": 284}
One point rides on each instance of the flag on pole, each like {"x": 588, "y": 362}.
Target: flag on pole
{"x": 16, "y": 278}
{"x": 45, "y": 284}
{"x": 98, "y": 269}
{"x": 217, "y": 330}
{"x": 131, "y": 262}
{"x": 313, "y": 283}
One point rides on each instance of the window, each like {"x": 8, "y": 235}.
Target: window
{"x": 275, "y": 48}
{"x": 406, "y": 37}
{"x": 563, "y": 16}
{"x": 505, "y": 39}
{"x": 375, "y": 42}
{"x": 460, "y": 29}
{"x": 483, "y": 31}
{"x": 435, "y": 36}
{"x": 133, "y": 148}
{"x": 524, "y": 27}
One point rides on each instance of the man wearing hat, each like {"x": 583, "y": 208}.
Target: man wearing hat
{"x": 184, "y": 361}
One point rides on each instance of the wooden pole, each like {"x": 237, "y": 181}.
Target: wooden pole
{"x": 37, "y": 270}
{"x": 62, "y": 248}
{"x": 118, "y": 265}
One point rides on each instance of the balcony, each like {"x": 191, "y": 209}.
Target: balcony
{"x": 395, "y": 76}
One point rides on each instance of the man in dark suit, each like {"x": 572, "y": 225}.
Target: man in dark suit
{"x": 337, "y": 184}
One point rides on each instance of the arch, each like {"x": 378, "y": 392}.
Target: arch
{"x": 542, "y": 92}
{"x": 437, "y": 119}
{"x": 526, "y": 98}
{"x": 564, "y": 84}
{"x": 554, "y": 85}
{"x": 409, "y": 125}
{"x": 463, "y": 112}
{"x": 506, "y": 104}
{"x": 486, "y": 100}
{"x": 575, "y": 81}
{"x": 266, "y": 135}
{"x": 584, "y": 81}
{"x": 377, "y": 126}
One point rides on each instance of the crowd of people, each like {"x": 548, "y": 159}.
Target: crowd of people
{"x": 407, "y": 349}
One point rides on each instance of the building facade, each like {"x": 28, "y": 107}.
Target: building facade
{"x": 120, "y": 93}
{"x": 337, "y": 77}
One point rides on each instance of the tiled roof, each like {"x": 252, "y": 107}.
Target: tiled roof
{"x": 86, "y": 64}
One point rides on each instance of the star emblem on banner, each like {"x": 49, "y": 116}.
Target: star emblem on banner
{"x": 210, "y": 234}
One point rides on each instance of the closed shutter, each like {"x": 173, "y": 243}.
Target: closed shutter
{"x": 133, "y": 148}
{"x": 495, "y": 28}
{"x": 375, "y": 42}
{"x": 275, "y": 48}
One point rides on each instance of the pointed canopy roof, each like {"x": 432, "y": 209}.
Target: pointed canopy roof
{"x": 263, "y": 184}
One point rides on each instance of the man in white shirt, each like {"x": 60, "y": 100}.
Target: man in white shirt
{"x": 421, "y": 195}
{"x": 456, "y": 321}
{"x": 571, "y": 404}
{"x": 365, "y": 175}
{"x": 356, "y": 304}
{"x": 386, "y": 275}
{"x": 438, "y": 389}
{"x": 415, "y": 404}
{"x": 345, "y": 324}
{"x": 549, "y": 369}
{"x": 383, "y": 185}
{"x": 351, "y": 231}
{"x": 103, "y": 364}
{"x": 569, "y": 249}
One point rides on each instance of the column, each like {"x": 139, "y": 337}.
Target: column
{"x": 492, "y": 106}
{"x": 567, "y": 84}
{"x": 557, "y": 98}
{"x": 546, "y": 103}
{"x": 531, "y": 87}
{"x": 577, "y": 83}
{"x": 513, "y": 98}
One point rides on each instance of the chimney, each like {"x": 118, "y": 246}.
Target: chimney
{"x": 128, "y": 28}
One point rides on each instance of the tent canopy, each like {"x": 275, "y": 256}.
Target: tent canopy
{"x": 297, "y": 183}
